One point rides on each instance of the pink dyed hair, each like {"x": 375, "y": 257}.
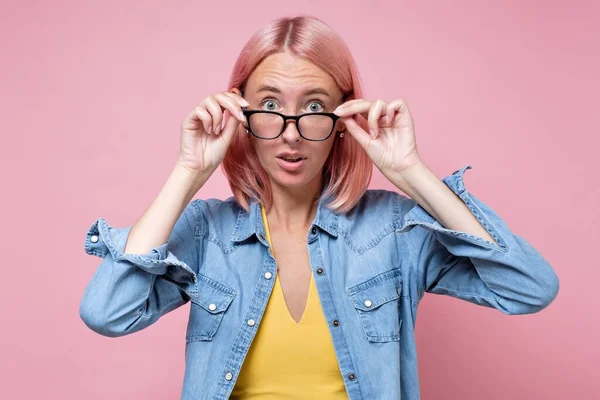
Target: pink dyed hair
{"x": 348, "y": 169}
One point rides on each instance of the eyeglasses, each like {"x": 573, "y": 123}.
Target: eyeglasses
{"x": 269, "y": 125}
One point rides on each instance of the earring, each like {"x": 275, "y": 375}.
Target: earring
{"x": 341, "y": 133}
{"x": 246, "y": 130}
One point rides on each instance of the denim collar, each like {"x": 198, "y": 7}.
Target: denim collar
{"x": 251, "y": 223}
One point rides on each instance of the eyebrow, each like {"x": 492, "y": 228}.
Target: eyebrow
{"x": 317, "y": 90}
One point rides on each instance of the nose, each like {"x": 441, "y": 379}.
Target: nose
{"x": 290, "y": 134}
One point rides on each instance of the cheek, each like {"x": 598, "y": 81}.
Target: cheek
{"x": 322, "y": 152}
{"x": 330, "y": 143}
{"x": 263, "y": 149}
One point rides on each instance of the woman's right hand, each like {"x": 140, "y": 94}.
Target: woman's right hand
{"x": 203, "y": 143}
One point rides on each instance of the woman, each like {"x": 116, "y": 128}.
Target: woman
{"x": 305, "y": 284}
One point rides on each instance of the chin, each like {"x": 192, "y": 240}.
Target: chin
{"x": 285, "y": 179}
{"x": 292, "y": 181}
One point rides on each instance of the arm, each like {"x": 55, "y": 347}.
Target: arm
{"x": 148, "y": 268}
{"x": 452, "y": 252}
{"x": 435, "y": 197}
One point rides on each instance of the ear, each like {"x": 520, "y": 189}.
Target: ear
{"x": 236, "y": 91}
{"x": 340, "y": 126}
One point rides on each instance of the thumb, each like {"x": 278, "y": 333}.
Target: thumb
{"x": 231, "y": 127}
{"x": 361, "y": 136}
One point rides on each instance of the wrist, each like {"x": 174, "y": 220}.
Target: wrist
{"x": 412, "y": 178}
{"x": 188, "y": 180}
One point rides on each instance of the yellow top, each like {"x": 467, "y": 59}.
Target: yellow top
{"x": 289, "y": 359}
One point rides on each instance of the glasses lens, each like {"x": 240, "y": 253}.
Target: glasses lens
{"x": 266, "y": 126}
{"x": 315, "y": 127}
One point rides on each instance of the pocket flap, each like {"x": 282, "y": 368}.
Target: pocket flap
{"x": 213, "y": 296}
{"x": 376, "y": 291}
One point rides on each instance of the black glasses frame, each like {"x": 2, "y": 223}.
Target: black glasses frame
{"x": 295, "y": 118}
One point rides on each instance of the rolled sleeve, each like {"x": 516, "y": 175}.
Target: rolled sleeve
{"x": 103, "y": 239}
{"x": 129, "y": 292}
{"x": 511, "y": 275}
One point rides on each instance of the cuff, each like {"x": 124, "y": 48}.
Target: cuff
{"x": 103, "y": 239}
{"x": 419, "y": 216}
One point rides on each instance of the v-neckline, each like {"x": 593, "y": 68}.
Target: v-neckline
{"x": 278, "y": 281}
{"x": 304, "y": 312}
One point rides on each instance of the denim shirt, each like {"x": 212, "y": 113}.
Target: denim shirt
{"x": 371, "y": 265}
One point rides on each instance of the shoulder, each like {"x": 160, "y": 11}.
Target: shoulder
{"x": 214, "y": 211}
{"x": 381, "y": 203}
{"x": 377, "y": 214}
{"x": 218, "y": 220}
{"x": 217, "y": 208}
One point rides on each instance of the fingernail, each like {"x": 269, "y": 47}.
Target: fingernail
{"x": 241, "y": 115}
{"x": 218, "y": 129}
{"x": 245, "y": 103}
{"x": 372, "y": 133}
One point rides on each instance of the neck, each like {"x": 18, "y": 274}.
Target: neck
{"x": 294, "y": 209}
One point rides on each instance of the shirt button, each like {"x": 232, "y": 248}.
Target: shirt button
{"x": 94, "y": 239}
{"x": 212, "y": 307}
{"x": 320, "y": 271}
{"x": 336, "y": 322}
{"x": 268, "y": 275}
{"x": 229, "y": 376}
{"x": 313, "y": 230}
{"x": 351, "y": 377}
{"x": 368, "y": 303}
{"x": 251, "y": 322}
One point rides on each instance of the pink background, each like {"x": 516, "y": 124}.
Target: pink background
{"x": 92, "y": 96}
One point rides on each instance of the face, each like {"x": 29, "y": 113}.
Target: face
{"x": 292, "y": 85}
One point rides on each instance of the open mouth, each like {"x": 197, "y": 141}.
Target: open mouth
{"x": 291, "y": 159}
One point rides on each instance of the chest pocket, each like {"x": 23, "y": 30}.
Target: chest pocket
{"x": 207, "y": 309}
{"x": 377, "y": 302}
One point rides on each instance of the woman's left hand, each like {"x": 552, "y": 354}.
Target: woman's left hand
{"x": 391, "y": 144}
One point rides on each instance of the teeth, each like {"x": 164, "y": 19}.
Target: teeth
{"x": 291, "y": 159}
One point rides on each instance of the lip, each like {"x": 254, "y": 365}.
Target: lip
{"x": 290, "y": 166}
{"x": 290, "y": 155}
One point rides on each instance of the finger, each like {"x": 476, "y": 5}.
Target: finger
{"x": 231, "y": 127}
{"x": 214, "y": 108}
{"x": 348, "y": 103}
{"x": 239, "y": 99}
{"x": 376, "y": 111}
{"x": 398, "y": 105}
{"x": 383, "y": 120}
{"x": 205, "y": 118}
{"x": 361, "y": 136}
{"x": 357, "y": 106}
{"x": 401, "y": 109}
{"x": 390, "y": 112}
{"x": 232, "y": 105}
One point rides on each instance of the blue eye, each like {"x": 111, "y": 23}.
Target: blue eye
{"x": 319, "y": 107}
{"x": 271, "y": 105}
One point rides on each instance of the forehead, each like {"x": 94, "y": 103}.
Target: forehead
{"x": 291, "y": 75}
